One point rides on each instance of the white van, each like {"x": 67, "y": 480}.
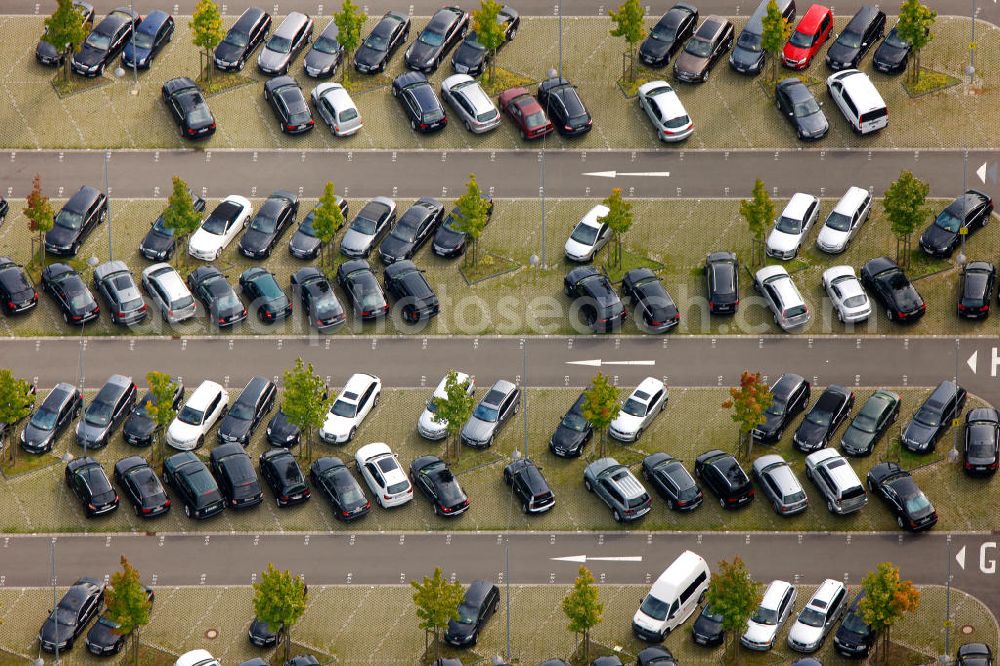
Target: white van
{"x": 859, "y": 100}
{"x": 673, "y": 597}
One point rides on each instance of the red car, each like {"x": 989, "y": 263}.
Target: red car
{"x": 526, "y": 112}
{"x": 810, "y": 34}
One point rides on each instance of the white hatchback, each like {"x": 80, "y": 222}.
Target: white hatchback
{"x": 355, "y": 402}
{"x": 337, "y": 109}
{"x": 220, "y": 228}
{"x": 205, "y": 406}
{"x": 639, "y": 409}
{"x": 589, "y": 235}
{"x": 849, "y": 299}
{"x": 426, "y": 425}
{"x": 661, "y": 103}
{"x": 792, "y": 226}
{"x": 380, "y": 469}
{"x": 775, "y": 607}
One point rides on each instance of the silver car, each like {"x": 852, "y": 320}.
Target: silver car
{"x": 849, "y": 299}
{"x": 780, "y": 485}
{"x": 168, "y": 293}
{"x": 286, "y": 42}
{"x": 471, "y": 103}
{"x": 337, "y": 109}
{"x": 368, "y": 227}
{"x": 493, "y": 411}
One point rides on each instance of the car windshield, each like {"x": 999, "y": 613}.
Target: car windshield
{"x": 838, "y": 222}
{"x": 894, "y": 40}
{"x": 307, "y": 225}
{"x": 812, "y": 617}
{"x": 80, "y": 300}
{"x": 237, "y": 39}
{"x": 344, "y": 408}
{"x": 99, "y": 41}
{"x": 855, "y": 624}
{"x": 405, "y": 232}
{"x": 431, "y": 38}
{"x": 806, "y": 107}
{"x": 486, "y": 116}
{"x": 776, "y": 409}
{"x": 864, "y": 423}
{"x": 749, "y": 41}
{"x": 190, "y": 415}
{"x": 396, "y": 488}
{"x": 143, "y": 40}
{"x": 161, "y": 227}
{"x": 68, "y": 219}
{"x": 709, "y": 614}
{"x": 855, "y": 301}
{"x": 917, "y": 504}
{"x": 948, "y": 221}
{"x": 584, "y": 234}
{"x": 350, "y": 493}
{"x": 216, "y": 224}
{"x": 269, "y": 288}
{"x": 376, "y": 42}
{"x": 765, "y": 616}
{"x": 679, "y": 121}
{"x": 788, "y": 225}
{"x": 264, "y": 224}
{"x": 99, "y": 413}
{"x": 364, "y": 225}
{"x": 486, "y": 413}
{"x": 64, "y": 617}
{"x": 654, "y": 608}
{"x": 279, "y": 44}
{"x": 851, "y": 40}
{"x": 699, "y": 47}
{"x": 326, "y": 45}
{"x": 242, "y": 411}
{"x": 801, "y": 39}
{"x": 819, "y": 417}
{"x": 663, "y": 33}
{"x": 326, "y": 306}
{"x": 467, "y": 614}
{"x": 575, "y": 422}
{"x": 44, "y": 419}
{"x": 348, "y": 114}
{"x": 633, "y": 407}
{"x": 227, "y": 301}
{"x": 198, "y": 113}
{"x": 536, "y": 119}
{"x": 928, "y": 417}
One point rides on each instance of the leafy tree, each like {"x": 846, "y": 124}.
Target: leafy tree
{"x": 600, "y": 406}
{"x": 437, "y": 602}
{"x": 886, "y": 600}
{"x": 583, "y": 607}
{"x": 454, "y": 409}
{"x": 206, "y": 32}
{"x": 905, "y": 206}
{"x": 473, "y": 214}
{"x": 128, "y": 605}
{"x": 759, "y": 213}
{"x": 304, "y": 401}
{"x": 776, "y": 31}
{"x": 41, "y": 217}
{"x": 161, "y": 407}
{"x": 628, "y": 20}
{"x": 279, "y": 599}
{"x": 748, "y": 402}
{"x": 489, "y": 32}
{"x": 914, "y": 26}
{"x": 16, "y": 401}
{"x": 180, "y": 215}
{"x": 327, "y": 219}
{"x": 350, "y": 19}
{"x": 65, "y": 30}
{"x": 733, "y": 594}
{"x": 619, "y": 219}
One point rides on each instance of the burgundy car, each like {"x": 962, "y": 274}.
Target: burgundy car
{"x": 526, "y": 112}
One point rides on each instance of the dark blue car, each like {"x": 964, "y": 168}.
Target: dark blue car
{"x": 153, "y": 34}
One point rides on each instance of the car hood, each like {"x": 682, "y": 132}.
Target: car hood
{"x": 770, "y": 424}
{"x": 319, "y": 60}
{"x": 654, "y": 48}
{"x": 255, "y": 240}
{"x": 102, "y": 635}
{"x": 337, "y": 425}
{"x": 746, "y": 57}
{"x": 447, "y": 238}
{"x": 49, "y": 633}
{"x": 89, "y": 56}
{"x": 803, "y": 633}
{"x": 567, "y": 439}
{"x": 937, "y": 238}
{"x": 355, "y": 241}
{"x": 281, "y": 430}
{"x": 60, "y": 236}
{"x": 428, "y": 424}
{"x": 890, "y": 55}
{"x": 575, "y": 249}
{"x": 760, "y": 633}
{"x": 46, "y": 50}
{"x": 419, "y": 53}
{"x": 626, "y": 422}
{"x": 304, "y": 242}
{"x": 139, "y": 426}
{"x": 459, "y": 630}
{"x": 395, "y": 248}
{"x": 470, "y": 57}
{"x": 856, "y": 440}
{"x": 90, "y": 433}
{"x": 226, "y": 52}
{"x": 203, "y": 241}
{"x": 36, "y": 438}
{"x": 368, "y": 56}
{"x": 813, "y": 123}
{"x": 140, "y": 52}
{"x": 690, "y": 64}
{"x": 183, "y": 432}
{"x": 156, "y": 242}
{"x": 779, "y": 240}
{"x": 478, "y": 430}
{"x": 234, "y": 427}
{"x": 810, "y": 433}
{"x": 840, "y": 53}
{"x": 918, "y": 433}
{"x": 272, "y": 59}
{"x": 830, "y": 237}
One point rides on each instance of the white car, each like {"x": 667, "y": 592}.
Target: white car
{"x": 639, "y": 409}
{"x": 589, "y": 235}
{"x": 471, "y": 103}
{"x": 844, "y": 220}
{"x": 426, "y": 425}
{"x": 355, "y": 402}
{"x": 380, "y": 469}
{"x": 775, "y": 607}
{"x": 661, "y": 103}
{"x": 850, "y": 301}
{"x": 196, "y": 658}
{"x": 792, "y": 226}
{"x": 818, "y": 616}
{"x": 220, "y": 228}
{"x": 193, "y": 421}
{"x": 336, "y": 108}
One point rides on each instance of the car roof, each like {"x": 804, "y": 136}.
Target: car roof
{"x": 649, "y": 385}
{"x": 598, "y": 211}
{"x": 248, "y": 18}
{"x": 786, "y": 383}
{"x": 439, "y": 391}
{"x": 864, "y": 94}
{"x": 865, "y": 15}
{"x": 358, "y": 383}
{"x": 798, "y": 205}
{"x": 205, "y": 392}
{"x": 774, "y": 593}
{"x": 478, "y": 589}
{"x": 852, "y": 199}
{"x": 711, "y": 27}
{"x": 824, "y": 594}
{"x": 291, "y": 25}
{"x": 812, "y": 17}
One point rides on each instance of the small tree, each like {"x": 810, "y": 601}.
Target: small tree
{"x": 16, "y": 401}
{"x": 583, "y": 607}
{"x": 619, "y": 219}
{"x": 600, "y": 406}
{"x": 886, "y": 600}
{"x": 437, "y": 602}
{"x": 904, "y": 203}
{"x": 350, "y": 19}
{"x": 759, "y": 213}
{"x": 628, "y": 20}
{"x": 128, "y": 605}
{"x": 748, "y": 402}
{"x": 733, "y": 594}
{"x": 160, "y": 407}
{"x": 914, "y": 27}
{"x": 65, "y": 30}
{"x": 206, "y": 32}
{"x": 279, "y": 599}
{"x": 180, "y": 215}
{"x": 41, "y": 217}
{"x": 489, "y": 32}
{"x": 775, "y": 32}
{"x": 473, "y": 214}
{"x": 454, "y": 410}
{"x": 304, "y": 401}
{"x": 327, "y": 220}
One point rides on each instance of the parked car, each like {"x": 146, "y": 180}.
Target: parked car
{"x": 378, "y": 46}
{"x": 354, "y": 403}
{"x": 643, "y": 405}
{"x": 281, "y": 471}
{"x": 748, "y": 55}
{"x": 282, "y": 432}
{"x": 471, "y": 57}
{"x": 791, "y": 227}
{"x": 323, "y": 310}
{"x": 330, "y": 476}
{"x": 220, "y": 228}
{"x": 412, "y": 230}
{"x": 74, "y": 222}
{"x": 108, "y": 637}
{"x": 808, "y": 37}
{"x": 493, "y": 411}
{"x": 871, "y": 422}
{"x": 893, "y": 54}
{"x": 722, "y": 474}
{"x": 249, "y": 32}
{"x": 713, "y": 39}
{"x": 589, "y": 235}
{"x": 426, "y": 425}
{"x": 446, "y": 28}
{"x": 572, "y": 433}
{"x": 818, "y": 616}
{"x": 866, "y": 27}
{"x": 159, "y": 243}
{"x": 707, "y": 629}
{"x": 470, "y": 103}
{"x": 414, "y": 295}
{"x": 142, "y": 487}
{"x": 652, "y": 305}
{"x": 722, "y": 272}
{"x": 819, "y": 425}
{"x": 934, "y": 417}
{"x": 210, "y": 287}
{"x": 168, "y": 293}
{"x": 449, "y": 240}
{"x": 982, "y": 441}
{"x": 436, "y": 481}
{"x": 480, "y": 603}
{"x": 775, "y": 606}
{"x": 105, "y": 41}
{"x": 254, "y": 403}
{"x": 969, "y": 212}
{"x": 115, "y": 284}
{"x": 200, "y": 412}
{"x": 600, "y": 308}
{"x": 672, "y": 598}
{"x": 153, "y": 33}
{"x": 836, "y": 480}
{"x": 288, "y": 39}
{"x": 47, "y": 423}
{"x": 975, "y": 654}
{"x": 668, "y": 35}
{"x": 194, "y": 485}
{"x": 78, "y": 606}
{"x": 420, "y": 102}
{"x": 858, "y": 100}
{"x": 363, "y": 290}
{"x": 236, "y": 476}
{"x": 891, "y": 287}
{"x": 529, "y": 486}
{"x": 198, "y": 657}
{"x": 782, "y": 297}
{"x": 790, "y": 394}
{"x": 304, "y": 244}
{"x": 288, "y": 103}
{"x": 17, "y": 293}
{"x": 854, "y": 637}
{"x": 369, "y": 227}
{"x": 89, "y": 482}
{"x": 277, "y": 213}
{"x": 844, "y": 220}
{"x": 672, "y": 481}
{"x": 780, "y": 486}
{"x": 976, "y": 290}
{"x": 526, "y": 113}
{"x": 190, "y": 112}
{"x": 618, "y": 488}
{"x": 654, "y": 655}
{"x": 48, "y": 55}
{"x": 796, "y": 102}
{"x": 562, "y": 103}
{"x": 139, "y": 427}
{"x": 105, "y": 412}
{"x": 324, "y": 57}
{"x": 337, "y": 109}
{"x": 263, "y": 292}
{"x": 663, "y": 107}
{"x": 380, "y": 469}
{"x": 896, "y": 487}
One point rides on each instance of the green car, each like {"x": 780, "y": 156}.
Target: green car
{"x": 878, "y": 413}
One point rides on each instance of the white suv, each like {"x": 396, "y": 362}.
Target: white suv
{"x": 792, "y": 226}
{"x": 355, "y": 402}
{"x": 639, "y": 409}
{"x": 426, "y": 425}
{"x": 844, "y": 220}
{"x": 777, "y": 604}
{"x": 818, "y": 616}
{"x": 188, "y": 429}
{"x": 859, "y": 100}
{"x": 660, "y": 102}
{"x": 381, "y": 470}
{"x": 782, "y": 296}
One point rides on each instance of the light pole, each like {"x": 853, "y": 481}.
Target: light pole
{"x": 135, "y": 61}
{"x": 541, "y": 190}
{"x": 506, "y": 580}
{"x": 55, "y": 613}
{"x": 559, "y": 9}
{"x": 946, "y": 658}
{"x": 524, "y": 393}
{"x": 107, "y": 200}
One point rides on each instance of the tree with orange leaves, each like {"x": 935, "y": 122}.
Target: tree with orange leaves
{"x": 887, "y": 598}
{"x": 748, "y": 402}
{"x": 40, "y": 216}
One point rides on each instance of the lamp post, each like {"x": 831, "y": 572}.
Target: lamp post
{"x": 524, "y": 394}
{"x": 135, "y": 61}
{"x": 541, "y": 190}
{"x": 107, "y": 200}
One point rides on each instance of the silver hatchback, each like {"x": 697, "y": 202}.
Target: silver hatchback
{"x": 471, "y": 103}
{"x": 286, "y": 42}
{"x": 780, "y": 485}
{"x": 169, "y": 294}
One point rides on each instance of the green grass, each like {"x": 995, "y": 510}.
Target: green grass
{"x": 929, "y": 81}
{"x": 25, "y": 463}
{"x": 629, "y": 261}
{"x": 487, "y": 266}
{"x": 503, "y": 79}
{"x": 220, "y": 82}
{"x": 67, "y": 87}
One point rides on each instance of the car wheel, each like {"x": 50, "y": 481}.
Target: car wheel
{"x": 240, "y": 63}
{"x": 616, "y": 515}
{"x": 899, "y": 521}
{"x": 829, "y": 506}
{"x": 65, "y": 317}
{"x": 187, "y": 510}
{"x": 135, "y": 510}
{"x": 840, "y": 316}
{"x": 671, "y": 505}
{"x": 395, "y": 93}
{"x": 809, "y": 474}
{"x": 523, "y": 137}
{"x": 100, "y": 70}
{"x": 638, "y": 434}
{"x": 277, "y": 503}
{"x": 351, "y": 434}
{"x": 524, "y": 507}
{"x": 704, "y": 78}
{"x": 377, "y": 396}
{"x": 776, "y": 508}
{"x": 489, "y": 442}
{"x": 513, "y": 34}
{"x": 201, "y": 442}
{"x": 888, "y": 313}
{"x": 781, "y": 433}
{"x": 218, "y": 253}
{"x": 506, "y": 477}
{"x": 468, "y": 128}
{"x": 413, "y": 125}
{"x": 722, "y": 503}
{"x": 586, "y": 484}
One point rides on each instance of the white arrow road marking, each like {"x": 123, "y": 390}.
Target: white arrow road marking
{"x": 971, "y": 361}
{"x": 615, "y": 174}
{"x": 582, "y": 559}
{"x": 981, "y": 171}
{"x": 960, "y": 557}
{"x": 596, "y": 362}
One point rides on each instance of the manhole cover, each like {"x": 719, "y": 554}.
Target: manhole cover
{"x": 212, "y": 634}
{"x": 967, "y": 629}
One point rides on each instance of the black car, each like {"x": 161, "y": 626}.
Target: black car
{"x": 261, "y": 634}
{"x": 284, "y": 477}
{"x": 976, "y": 290}
{"x": 934, "y": 417}
{"x": 115, "y": 284}
{"x": 652, "y": 305}
{"x": 142, "y": 487}
{"x": 331, "y": 477}
{"x": 303, "y": 244}
{"x": 139, "y": 427}
{"x": 320, "y": 303}
{"x": 970, "y": 211}
{"x": 893, "y": 290}
{"x": 392, "y": 30}
{"x": 17, "y": 294}
{"x": 282, "y": 432}
{"x": 237, "y": 479}
{"x": 189, "y": 109}
{"x": 449, "y": 241}
{"x": 210, "y": 287}
{"x": 47, "y": 54}
{"x": 481, "y": 601}
{"x": 725, "y": 478}
{"x": 81, "y": 604}
{"x": 63, "y": 404}
{"x": 106, "y": 636}
{"x": 471, "y": 57}
{"x": 982, "y": 441}
{"x": 159, "y": 243}
{"x": 412, "y": 230}
{"x": 73, "y": 223}
{"x": 572, "y": 433}
{"x": 707, "y": 628}
{"x": 796, "y": 102}
{"x": 357, "y": 279}
{"x": 249, "y": 31}
{"x": 289, "y": 105}
{"x": 563, "y": 105}
{"x": 655, "y": 655}
{"x": 254, "y": 403}
{"x": 420, "y": 102}
{"x": 828, "y": 412}
{"x": 155, "y": 32}
{"x": 668, "y": 35}
{"x": 264, "y": 293}
{"x": 102, "y": 415}
{"x": 88, "y": 481}
{"x": 275, "y": 215}
{"x": 866, "y": 27}
{"x": 446, "y": 28}
{"x": 526, "y": 480}
{"x": 854, "y": 637}
{"x": 324, "y": 57}
{"x": 600, "y": 307}
{"x": 892, "y": 55}
{"x": 974, "y": 654}
{"x": 871, "y": 422}
{"x": 672, "y": 481}
{"x": 789, "y": 395}
{"x": 897, "y": 488}
{"x": 69, "y": 291}
{"x": 105, "y": 42}
{"x": 194, "y": 485}
{"x": 439, "y": 485}
{"x": 722, "y": 271}
{"x": 413, "y": 294}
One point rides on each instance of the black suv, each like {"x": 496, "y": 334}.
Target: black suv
{"x": 331, "y": 477}
{"x": 976, "y": 292}
{"x": 479, "y": 604}
{"x": 256, "y": 400}
{"x": 194, "y": 485}
{"x": 826, "y": 415}
{"x": 866, "y": 27}
{"x": 790, "y": 395}
{"x": 105, "y": 42}
{"x": 600, "y": 307}
{"x": 854, "y": 638}
{"x": 91, "y": 485}
{"x": 60, "y": 407}
{"x": 725, "y": 478}
{"x": 109, "y": 408}
{"x": 526, "y": 479}
{"x": 81, "y": 604}
{"x": 672, "y": 482}
{"x": 139, "y": 427}
{"x": 242, "y": 39}
{"x": 982, "y": 441}
{"x": 934, "y": 417}
{"x": 74, "y": 222}
{"x": 237, "y": 479}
